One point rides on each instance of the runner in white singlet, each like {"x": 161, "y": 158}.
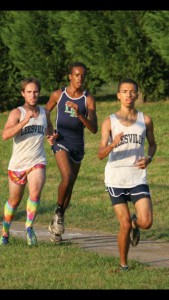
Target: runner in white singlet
{"x": 27, "y": 125}
{"x": 123, "y": 135}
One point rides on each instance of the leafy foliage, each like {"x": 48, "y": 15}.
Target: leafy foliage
{"x": 112, "y": 44}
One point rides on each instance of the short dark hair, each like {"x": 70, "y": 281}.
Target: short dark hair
{"x": 127, "y": 80}
{"x": 77, "y": 64}
{"x": 28, "y": 80}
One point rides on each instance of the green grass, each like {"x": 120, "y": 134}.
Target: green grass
{"x": 68, "y": 267}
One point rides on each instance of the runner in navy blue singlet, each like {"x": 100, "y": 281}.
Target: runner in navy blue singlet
{"x": 69, "y": 126}
{"x": 75, "y": 111}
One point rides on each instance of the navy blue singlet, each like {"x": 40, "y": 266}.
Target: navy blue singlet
{"x": 68, "y": 125}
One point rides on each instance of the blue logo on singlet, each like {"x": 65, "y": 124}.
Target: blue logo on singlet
{"x": 33, "y": 129}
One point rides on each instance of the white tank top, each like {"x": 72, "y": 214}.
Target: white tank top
{"x": 120, "y": 171}
{"x": 28, "y": 144}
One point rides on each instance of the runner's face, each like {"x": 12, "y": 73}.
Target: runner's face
{"x": 31, "y": 93}
{"x": 77, "y": 76}
{"x": 127, "y": 94}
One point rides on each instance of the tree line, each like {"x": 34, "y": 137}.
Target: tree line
{"x": 112, "y": 44}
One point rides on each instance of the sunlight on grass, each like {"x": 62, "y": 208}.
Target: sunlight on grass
{"x": 67, "y": 267}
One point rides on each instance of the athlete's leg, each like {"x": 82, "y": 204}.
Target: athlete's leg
{"x": 15, "y": 195}
{"x": 75, "y": 170}
{"x": 123, "y": 216}
{"x": 69, "y": 171}
{"x": 36, "y": 180}
{"x": 144, "y": 212}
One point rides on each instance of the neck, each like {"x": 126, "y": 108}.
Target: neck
{"x": 128, "y": 115}
{"x": 74, "y": 92}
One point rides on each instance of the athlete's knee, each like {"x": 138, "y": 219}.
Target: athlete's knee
{"x": 125, "y": 225}
{"x": 68, "y": 179}
{"x": 146, "y": 223}
{"x": 14, "y": 203}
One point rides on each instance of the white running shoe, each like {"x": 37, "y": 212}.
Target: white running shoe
{"x": 57, "y": 224}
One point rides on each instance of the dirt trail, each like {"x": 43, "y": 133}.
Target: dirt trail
{"x": 155, "y": 253}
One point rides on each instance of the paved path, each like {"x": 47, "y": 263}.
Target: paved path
{"x": 154, "y": 253}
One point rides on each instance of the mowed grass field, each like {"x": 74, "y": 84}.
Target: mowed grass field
{"x": 90, "y": 208}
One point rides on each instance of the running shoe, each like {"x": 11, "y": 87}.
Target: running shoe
{"x": 57, "y": 224}
{"x": 56, "y": 238}
{"x": 4, "y": 240}
{"x": 31, "y": 237}
{"x": 134, "y": 234}
{"x": 123, "y": 268}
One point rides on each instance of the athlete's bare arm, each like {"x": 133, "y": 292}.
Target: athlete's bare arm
{"x": 152, "y": 147}
{"x": 49, "y": 130}
{"x": 150, "y": 136}
{"x": 55, "y": 96}
{"x": 105, "y": 147}
{"x": 50, "y": 134}
{"x": 91, "y": 121}
{"x": 13, "y": 124}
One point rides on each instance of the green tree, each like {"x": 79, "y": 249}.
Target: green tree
{"x": 113, "y": 44}
{"x": 156, "y": 26}
{"x": 86, "y": 37}
{"x": 135, "y": 56}
{"x": 33, "y": 46}
{"x": 9, "y": 74}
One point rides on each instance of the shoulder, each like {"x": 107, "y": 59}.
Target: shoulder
{"x": 147, "y": 119}
{"x": 88, "y": 95}
{"x": 106, "y": 127}
{"x": 14, "y": 116}
{"x": 56, "y": 94}
{"x": 106, "y": 122}
{"x": 90, "y": 100}
{"x": 16, "y": 112}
